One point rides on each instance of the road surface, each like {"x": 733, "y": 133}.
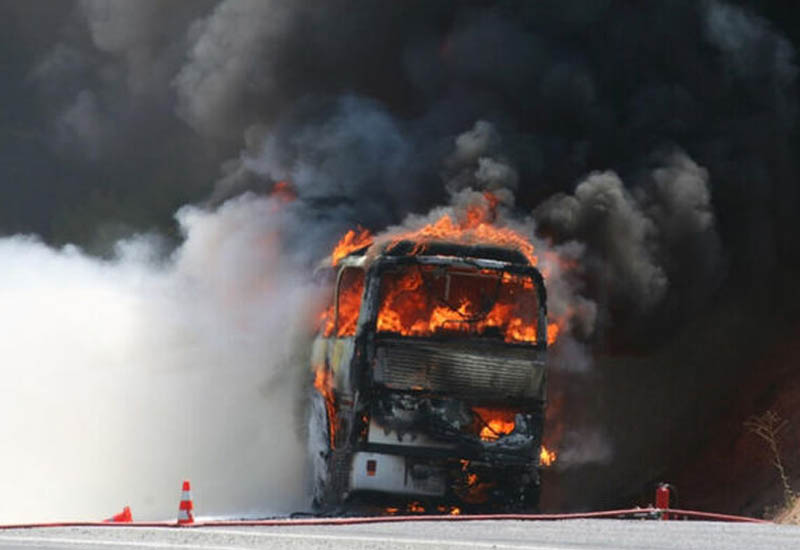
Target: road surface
{"x": 500, "y": 535}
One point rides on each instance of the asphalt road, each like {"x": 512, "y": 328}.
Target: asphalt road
{"x": 550, "y": 535}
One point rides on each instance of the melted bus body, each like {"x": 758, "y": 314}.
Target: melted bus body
{"x": 430, "y": 378}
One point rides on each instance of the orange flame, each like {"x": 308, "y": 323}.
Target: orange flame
{"x": 494, "y": 422}
{"x": 406, "y": 309}
{"x": 411, "y": 303}
{"x": 351, "y": 242}
{"x": 350, "y": 290}
{"x": 323, "y": 382}
{"x": 473, "y": 490}
{"x": 476, "y": 227}
{"x": 283, "y": 192}
{"x": 552, "y": 333}
{"x": 546, "y": 457}
{"x": 416, "y": 507}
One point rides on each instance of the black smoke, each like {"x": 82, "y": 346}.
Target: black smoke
{"x": 660, "y": 138}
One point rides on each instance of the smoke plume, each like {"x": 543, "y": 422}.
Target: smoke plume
{"x": 126, "y": 375}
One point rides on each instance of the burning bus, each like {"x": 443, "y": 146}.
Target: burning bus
{"x": 430, "y": 376}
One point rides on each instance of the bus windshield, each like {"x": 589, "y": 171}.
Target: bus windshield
{"x": 428, "y": 300}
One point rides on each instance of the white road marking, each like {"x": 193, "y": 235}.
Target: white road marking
{"x": 390, "y": 540}
{"x": 274, "y": 535}
{"x": 98, "y": 542}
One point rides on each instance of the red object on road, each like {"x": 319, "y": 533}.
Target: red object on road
{"x": 123, "y": 517}
{"x": 185, "y": 508}
{"x": 663, "y": 494}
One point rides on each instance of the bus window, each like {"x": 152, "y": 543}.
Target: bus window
{"x": 351, "y": 288}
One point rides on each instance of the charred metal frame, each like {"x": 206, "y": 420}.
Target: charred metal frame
{"x": 510, "y": 463}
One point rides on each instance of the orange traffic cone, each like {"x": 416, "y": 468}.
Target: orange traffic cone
{"x": 123, "y": 517}
{"x": 186, "y": 506}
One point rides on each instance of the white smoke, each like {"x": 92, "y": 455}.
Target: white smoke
{"x": 123, "y": 377}
{"x": 579, "y": 448}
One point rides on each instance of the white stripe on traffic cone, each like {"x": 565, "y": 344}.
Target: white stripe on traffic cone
{"x": 185, "y": 508}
